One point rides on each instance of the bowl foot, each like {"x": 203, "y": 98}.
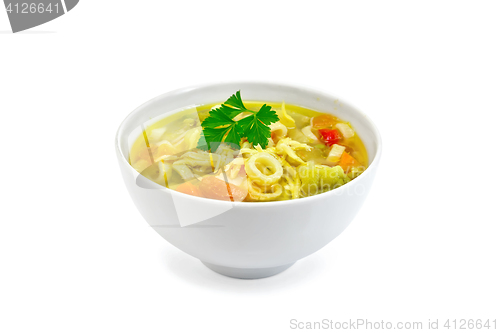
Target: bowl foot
{"x": 247, "y": 273}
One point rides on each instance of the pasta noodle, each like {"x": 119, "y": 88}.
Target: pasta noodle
{"x": 278, "y": 130}
{"x": 263, "y": 169}
{"x": 258, "y": 193}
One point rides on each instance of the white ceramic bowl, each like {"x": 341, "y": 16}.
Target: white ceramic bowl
{"x": 247, "y": 239}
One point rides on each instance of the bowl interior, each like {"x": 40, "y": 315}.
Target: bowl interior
{"x": 184, "y": 98}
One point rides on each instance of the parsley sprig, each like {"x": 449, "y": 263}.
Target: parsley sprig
{"x": 220, "y": 127}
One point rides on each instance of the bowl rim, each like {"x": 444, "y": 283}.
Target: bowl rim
{"x": 304, "y": 88}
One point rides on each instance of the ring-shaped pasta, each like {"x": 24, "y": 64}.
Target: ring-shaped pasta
{"x": 278, "y": 130}
{"x": 256, "y": 193}
{"x": 264, "y": 169}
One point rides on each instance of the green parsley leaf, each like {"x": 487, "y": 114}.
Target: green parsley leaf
{"x": 235, "y": 101}
{"x": 256, "y": 127}
{"x": 218, "y": 117}
{"x": 220, "y": 127}
{"x": 217, "y": 128}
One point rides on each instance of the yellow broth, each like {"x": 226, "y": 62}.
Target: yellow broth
{"x": 175, "y": 134}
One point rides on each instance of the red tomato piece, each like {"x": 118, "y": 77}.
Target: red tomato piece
{"x": 330, "y": 137}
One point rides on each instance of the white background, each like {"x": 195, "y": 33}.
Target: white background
{"x": 76, "y": 256}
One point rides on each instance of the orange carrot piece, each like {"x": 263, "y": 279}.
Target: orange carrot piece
{"x": 189, "y": 188}
{"x": 215, "y": 188}
{"x": 347, "y": 161}
{"x": 324, "y": 121}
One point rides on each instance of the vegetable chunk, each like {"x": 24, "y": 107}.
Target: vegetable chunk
{"x": 188, "y": 188}
{"x": 214, "y": 188}
{"x": 319, "y": 178}
{"x": 347, "y": 162}
{"x": 335, "y": 153}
